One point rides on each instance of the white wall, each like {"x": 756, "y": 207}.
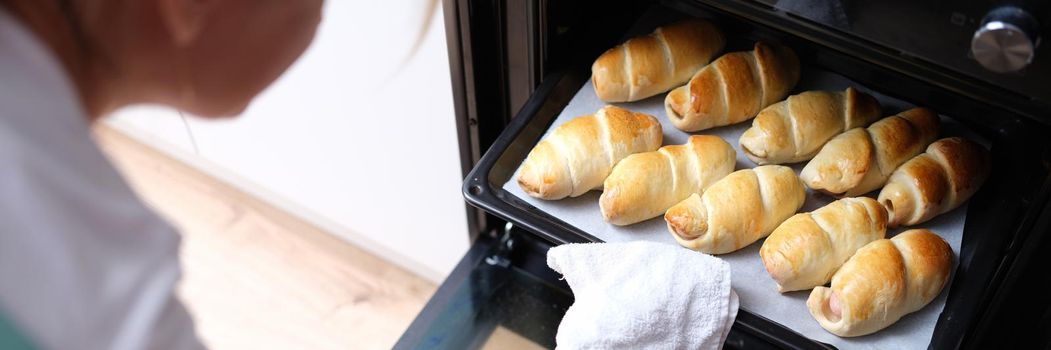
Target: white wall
{"x": 355, "y": 137}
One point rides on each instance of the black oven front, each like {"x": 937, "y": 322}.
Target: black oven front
{"x": 516, "y": 63}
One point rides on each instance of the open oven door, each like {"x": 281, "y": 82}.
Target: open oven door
{"x": 502, "y": 295}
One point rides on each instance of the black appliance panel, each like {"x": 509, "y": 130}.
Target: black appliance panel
{"x": 932, "y": 33}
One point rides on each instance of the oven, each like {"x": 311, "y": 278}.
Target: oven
{"x": 517, "y": 64}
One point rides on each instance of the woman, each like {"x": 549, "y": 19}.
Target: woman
{"x": 83, "y": 263}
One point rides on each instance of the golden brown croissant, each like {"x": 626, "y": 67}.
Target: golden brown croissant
{"x": 733, "y": 88}
{"x": 805, "y": 250}
{"x": 860, "y": 160}
{"x": 936, "y": 181}
{"x": 737, "y": 210}
{"x": 655, "y": 63}
{"x": 882, "y": 282}
{"x": 644, "y": 185}
{"x": 794, "y": 130}
{"x": 578, "y": 155}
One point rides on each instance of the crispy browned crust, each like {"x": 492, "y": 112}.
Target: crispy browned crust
{"x": 795, "y": 129}
{"x": 651, "y": 64}
{"x": 903, "y": 137}
{"x": 805, "y": 250}
{"x": 884, "y": 281}
{"x": 861, "y": 160}
{"x": 935, "y": 182}
{"x": 578, "y": 155}
{"x": 734, "y": 88}
{"x": 736, "y": 211}
{"x": 645, "y": 185}
{"x": 966, "y": 162}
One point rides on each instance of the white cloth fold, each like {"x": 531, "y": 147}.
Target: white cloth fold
{"x": 643, "y": 295}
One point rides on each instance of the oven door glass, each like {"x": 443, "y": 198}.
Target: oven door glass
{"x": 502, "y": 295}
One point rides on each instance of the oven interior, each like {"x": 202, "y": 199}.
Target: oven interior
{"x": 540, "y": 55}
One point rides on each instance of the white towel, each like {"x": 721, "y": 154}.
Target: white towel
{"x": 643, "y": 295}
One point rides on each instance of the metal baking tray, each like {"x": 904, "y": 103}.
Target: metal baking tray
{"x": 755, "y": 289}
{"x": 999, "y": 196}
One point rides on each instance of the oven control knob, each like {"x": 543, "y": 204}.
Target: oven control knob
{"x": 1006, "y": 40}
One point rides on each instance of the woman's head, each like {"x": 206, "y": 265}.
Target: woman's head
{"x": 207, "y": 57}
{"x": 233, "y": 49}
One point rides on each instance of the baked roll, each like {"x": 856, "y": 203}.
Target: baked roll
{"x": 733, "y": 88}
{"x": 936, "y": 181}
{"x": 644, "y": 185}
{"x": 578, "y": 155}
{"x": 805, "y": 250}
{"x": 793, "y": 130}
{"x": 737, "y": 210}
{"x": 860, "y": 160}
{"x": 648, "y": 65}
{"x": 882, "y": 282}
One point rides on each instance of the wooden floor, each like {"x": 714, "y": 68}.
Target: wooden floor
{"x": 256, "y": 277}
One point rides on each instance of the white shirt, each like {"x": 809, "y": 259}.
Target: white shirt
{"x": 83, "y": 263}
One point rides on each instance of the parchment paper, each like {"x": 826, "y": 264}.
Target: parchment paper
{"x": 758, "y": 293}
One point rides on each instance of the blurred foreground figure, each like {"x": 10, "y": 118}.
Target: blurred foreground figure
{"x": 83, "y": 263}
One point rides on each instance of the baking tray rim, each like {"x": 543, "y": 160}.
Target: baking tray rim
{"x": 479, "y": 191}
